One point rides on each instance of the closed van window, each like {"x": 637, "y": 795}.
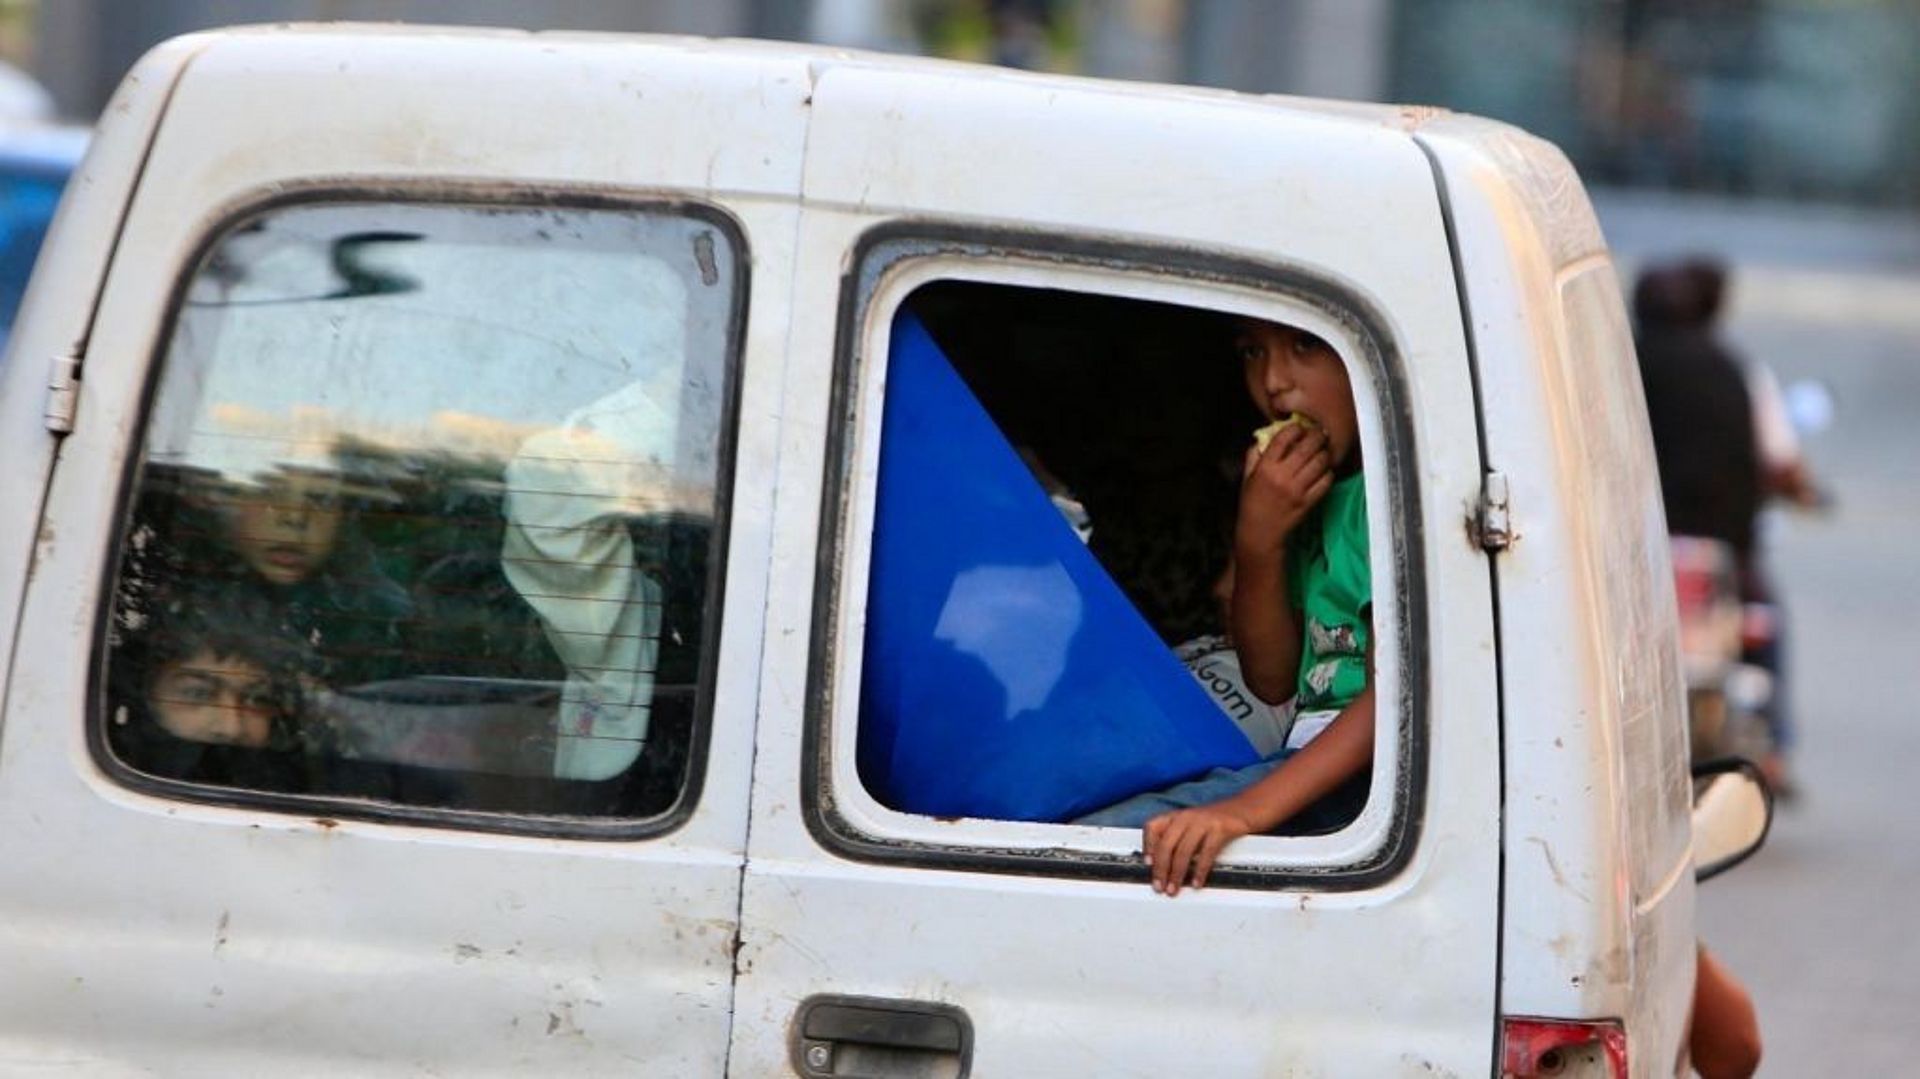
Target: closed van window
{"x": 429, "y": 513}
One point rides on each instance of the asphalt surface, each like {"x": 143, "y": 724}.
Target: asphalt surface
{"x": 1820, "y": 922}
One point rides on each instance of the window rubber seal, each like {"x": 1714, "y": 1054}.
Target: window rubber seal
{"x": 900, "y": 241}
{"x": 326, "y": 810}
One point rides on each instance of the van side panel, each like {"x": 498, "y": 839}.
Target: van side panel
{"x": 1599, "y": 888}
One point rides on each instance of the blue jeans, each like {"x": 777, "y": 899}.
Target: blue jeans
{"x": 1330, "y": 813}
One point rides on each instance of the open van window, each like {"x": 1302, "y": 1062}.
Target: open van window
{"x": 1052, "y": 509}
{"x": 429, "y": 513}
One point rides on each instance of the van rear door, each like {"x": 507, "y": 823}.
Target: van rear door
{"x": 479, "y": 304}
{"x": 875, "y": 938}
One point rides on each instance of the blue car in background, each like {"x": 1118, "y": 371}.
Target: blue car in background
{"x": 34, "y": 165}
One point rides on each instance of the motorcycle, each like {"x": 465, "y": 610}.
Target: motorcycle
{"x": 1730, "y": 635}
{"x": 1725, "y": 694}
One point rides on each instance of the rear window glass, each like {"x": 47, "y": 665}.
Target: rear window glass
{"x": 429, "y": 511}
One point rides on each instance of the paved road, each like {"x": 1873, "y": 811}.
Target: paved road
{"x": 1821, "y": 922}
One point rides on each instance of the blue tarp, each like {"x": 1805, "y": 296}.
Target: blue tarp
{"x": 1006, "y": 676}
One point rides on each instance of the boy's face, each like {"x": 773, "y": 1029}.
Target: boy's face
{"x": 223, "y": 700}
{"x": 1292, "y": 371}
{"x": 285, "y": 528}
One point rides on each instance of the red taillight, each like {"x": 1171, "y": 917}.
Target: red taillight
{"x": 1530, "y": 1047}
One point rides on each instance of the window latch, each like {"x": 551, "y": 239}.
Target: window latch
{"x": 63, "y": 394}
{"x": 1492, "y": 523}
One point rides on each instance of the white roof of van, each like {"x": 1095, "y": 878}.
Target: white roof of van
{"x": 820, "y": 57}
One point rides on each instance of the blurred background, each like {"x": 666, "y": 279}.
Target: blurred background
{"x": 1801, "y": 99}
{"x": 1781, "y": 137}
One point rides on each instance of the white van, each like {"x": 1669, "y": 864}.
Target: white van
{"x": 516, "y": 403}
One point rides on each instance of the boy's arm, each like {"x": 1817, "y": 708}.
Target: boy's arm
{"x": 1182, "y": 846}
{"x": 1266, "y": 629}
{"x": 1280, "y": 485}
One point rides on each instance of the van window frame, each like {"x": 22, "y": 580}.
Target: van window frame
{"x": 900, "y": 242}
{"x": 453, "y": 195}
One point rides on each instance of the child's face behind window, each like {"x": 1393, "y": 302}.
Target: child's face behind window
{"x": 1290, "y": 371}
{"x": 223, "y": 700}
{"x": 286, "y": 527}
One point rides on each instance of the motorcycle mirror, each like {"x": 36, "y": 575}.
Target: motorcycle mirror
{"x": 1809, "y": 404}
{"x": 1732, "y": 812}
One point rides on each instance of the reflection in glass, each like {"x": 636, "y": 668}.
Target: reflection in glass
{"x": 456, "y": 468}
{"x": 1042, "y": 600}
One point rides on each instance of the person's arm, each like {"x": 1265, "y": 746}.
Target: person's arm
{"x": 1725, "y": 1040}
{"x": 1279, "y": 487}
{"x": 1793, "y": 482}
{"x": 572, "y": 494}
{"x": 1182, "y": 846}
{"x": 1783, "y": 464}
{"x": 1266, "y": 629}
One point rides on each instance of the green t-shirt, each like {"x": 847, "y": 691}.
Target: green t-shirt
{"x": 1330, "y": 582}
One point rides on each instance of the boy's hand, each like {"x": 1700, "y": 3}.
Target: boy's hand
{"x": 1280, "y": 486}
{"x": 1181, "y": 846}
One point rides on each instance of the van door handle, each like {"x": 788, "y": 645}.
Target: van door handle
{"x": 872, "y": 1037}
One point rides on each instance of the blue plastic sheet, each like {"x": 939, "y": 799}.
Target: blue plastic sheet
{"x": 1006, "y": 676}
